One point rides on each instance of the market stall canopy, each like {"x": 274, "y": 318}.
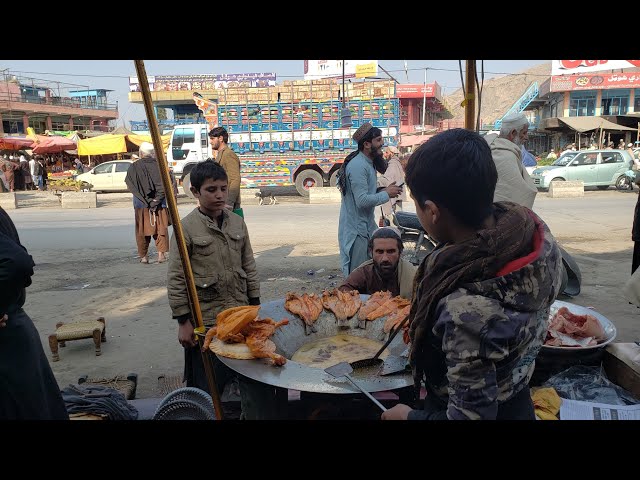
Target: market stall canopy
{"x": 52, "y": 145}
{"x": 586, "y": 124}
{"x": 103, "y": 145}
{"x": 122, "y": 131}
{"x": 138, "y": 139}
{"x": 15, "y": 143}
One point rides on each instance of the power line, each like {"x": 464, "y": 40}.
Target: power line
{"x": 388, "y": 72}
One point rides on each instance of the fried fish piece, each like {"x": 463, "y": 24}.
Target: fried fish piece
{"x": 228, "y": 325}
{"x": 307, "y": 306}
{"x": 344, "y": 305}
{"x": 257, "y": 339}
{"x": 373, "y": 303}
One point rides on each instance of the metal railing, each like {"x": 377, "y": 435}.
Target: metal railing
{"x": 57, "y": 101}
{"x": 527, "y": 97}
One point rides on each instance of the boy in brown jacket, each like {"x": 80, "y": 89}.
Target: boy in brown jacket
{"x": 225, "y": 275}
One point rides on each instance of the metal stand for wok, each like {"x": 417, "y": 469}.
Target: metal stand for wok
{"x": 296, "y": 376}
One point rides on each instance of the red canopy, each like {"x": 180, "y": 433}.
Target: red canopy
{"x": 15, "y": 143}
{"x": 53, "y": 145}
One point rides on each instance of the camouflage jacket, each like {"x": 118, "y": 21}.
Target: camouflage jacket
{"x": 483, "y": 345}
{"x": 224, "y": 269}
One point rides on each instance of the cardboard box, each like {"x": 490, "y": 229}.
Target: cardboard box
{"x": 620, "y": 367}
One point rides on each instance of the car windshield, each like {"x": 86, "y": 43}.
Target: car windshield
{"x": 563, "y": 160}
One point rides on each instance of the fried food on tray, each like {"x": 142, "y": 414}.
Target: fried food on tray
{"x": 231, "y": 321}
{"x": 257, "y": 339}
{"x": 396, "y": 318}
{"x": 379, "y": 305}
{"x": 307, "y": 307}
{"x": 252, "y": 342}
{"x": 344, "y": 305}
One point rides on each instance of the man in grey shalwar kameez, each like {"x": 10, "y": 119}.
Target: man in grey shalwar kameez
{"x": 357, "y": 182}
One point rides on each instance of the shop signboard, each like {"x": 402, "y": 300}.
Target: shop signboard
{"x": 173, "y": 83}
{"x": 570, "y": 83}
{"x": 570, "y": 67}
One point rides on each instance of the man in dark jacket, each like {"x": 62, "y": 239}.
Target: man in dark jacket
{"x": 28, "y": 389}
{"x": 149, "y": 203}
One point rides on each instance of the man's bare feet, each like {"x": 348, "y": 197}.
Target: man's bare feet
{"x": 161, "y": 258}
{"x": 144, "y": 259}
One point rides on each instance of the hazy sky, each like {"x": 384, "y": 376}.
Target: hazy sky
{"x": 114, "y": 74}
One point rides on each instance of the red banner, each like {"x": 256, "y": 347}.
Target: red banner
{"x": 415, "y": 90}
{"x": 567, "y": 83}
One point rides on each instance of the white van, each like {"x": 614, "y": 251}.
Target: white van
{"x": 189, "y": 145}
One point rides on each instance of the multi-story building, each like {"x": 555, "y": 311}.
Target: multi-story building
{"x": 28, "y": 102}
{"x": 591, "y": 102}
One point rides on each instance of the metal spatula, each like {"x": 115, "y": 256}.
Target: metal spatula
{"x": 369, "y": 362}
{"x": 343, "y": 369}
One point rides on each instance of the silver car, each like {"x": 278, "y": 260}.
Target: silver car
{"x": 599, "y": 168}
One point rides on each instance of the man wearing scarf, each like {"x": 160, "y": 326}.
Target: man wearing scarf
{"x": 358, "y": 185}
{"x": 514, "y": 182}
{"x": 479, "y": 313}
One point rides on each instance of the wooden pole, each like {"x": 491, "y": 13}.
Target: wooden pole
{"x": 177, "y": 231}
{"x": 470, "y": 97}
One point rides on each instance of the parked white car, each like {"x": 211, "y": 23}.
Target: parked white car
{"x": 107, "y": 177}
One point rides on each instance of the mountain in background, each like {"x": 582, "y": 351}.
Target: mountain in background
{"x": 499, "y": 94}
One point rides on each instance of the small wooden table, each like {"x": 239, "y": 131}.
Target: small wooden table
{"x": 75, "y": 331}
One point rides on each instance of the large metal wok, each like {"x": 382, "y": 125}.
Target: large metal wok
{"x": 296, "y": 376}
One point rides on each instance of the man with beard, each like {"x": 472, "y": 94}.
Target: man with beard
{"x": 386, "y": 270}
{"x": 358, "y": 184}
{"x": 514, "y": 183}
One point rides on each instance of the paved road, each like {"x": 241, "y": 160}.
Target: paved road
{"x": 599, "y": 216}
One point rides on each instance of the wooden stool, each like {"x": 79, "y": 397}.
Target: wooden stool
{"x": 76, "y": 330}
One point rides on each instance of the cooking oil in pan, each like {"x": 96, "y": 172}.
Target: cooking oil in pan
{"x": 329, "y": 351}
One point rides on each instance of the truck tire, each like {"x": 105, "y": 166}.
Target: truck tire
{"x": 306, "y": 179}
{"x": 333, "y": 180}
{"x": 186, "y": 185}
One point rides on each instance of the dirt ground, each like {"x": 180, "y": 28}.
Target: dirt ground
{"x": 141, "y": 338}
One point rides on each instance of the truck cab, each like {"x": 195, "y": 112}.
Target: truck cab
{"x": 189, "y": 145}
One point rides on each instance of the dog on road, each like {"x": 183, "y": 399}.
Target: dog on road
{"x": 264, "y": 197}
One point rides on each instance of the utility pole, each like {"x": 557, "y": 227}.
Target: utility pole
{"x": 470, "y": 97}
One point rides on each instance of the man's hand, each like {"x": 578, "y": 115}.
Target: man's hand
{"x": 399, "y": 412}
{"x": 185, "y": 335}
{"x": 393, "y": 190}
{"x": 3, "y": 320}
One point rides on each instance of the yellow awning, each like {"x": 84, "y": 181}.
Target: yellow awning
{"x": 138, "y": 139}
{"x": 103, "y": 145}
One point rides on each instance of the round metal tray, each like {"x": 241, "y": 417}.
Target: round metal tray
{"x": 296, "y": 376}
{"x": 607, "y": 325}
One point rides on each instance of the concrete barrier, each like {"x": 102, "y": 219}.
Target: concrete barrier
{"x": 324, "y": 195}
{"x": 8, "y": 201}
{"x": 79, "y": 200}
{"x": 559, "y": 189}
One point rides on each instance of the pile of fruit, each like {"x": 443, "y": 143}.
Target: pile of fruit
{"x": 67, "y": 184}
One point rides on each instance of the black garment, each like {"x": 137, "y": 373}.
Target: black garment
{"x": 145, "y": 182}
{"x": 518, "y": 407}
{"x": 98, "y": 400}
{"x": 38, "y": 169}
{"x": 635, "y": 236}
{"x": 259, "y": 401}
{"x": 28, "y": 389}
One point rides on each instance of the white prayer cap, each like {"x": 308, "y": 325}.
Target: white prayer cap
{"x": 146, "y": 149}
{"x": 513, "y": 122}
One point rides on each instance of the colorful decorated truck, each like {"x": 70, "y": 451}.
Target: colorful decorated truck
{"x": 294, "y": 141}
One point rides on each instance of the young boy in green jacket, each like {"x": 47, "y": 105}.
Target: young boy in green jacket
{"x": 225, "y": 275}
